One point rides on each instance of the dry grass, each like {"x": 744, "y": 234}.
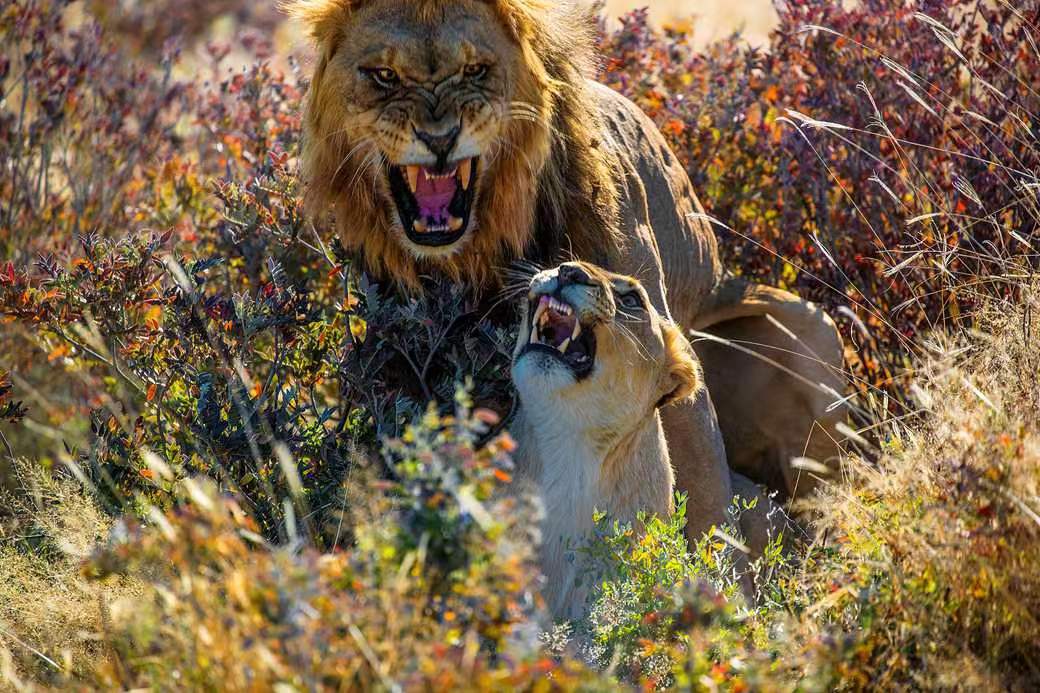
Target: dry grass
{"x": 942, "y": 536}
{"x": 51, "y": 617}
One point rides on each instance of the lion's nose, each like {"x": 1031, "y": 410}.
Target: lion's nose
{"x": 573, "y": 273}
{"x": 440, "y": 146}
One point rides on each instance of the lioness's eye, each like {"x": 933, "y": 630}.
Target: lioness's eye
{"x": 475, "y": 70}
{"x": 383, "y": 76}
{"x": 632, "y": 301}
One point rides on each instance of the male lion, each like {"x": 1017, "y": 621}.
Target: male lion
{"x": 452, "y": 137}
{"x": 594, "y": 363}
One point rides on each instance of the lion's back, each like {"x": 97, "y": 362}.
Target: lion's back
{"x": 656, "y": 191}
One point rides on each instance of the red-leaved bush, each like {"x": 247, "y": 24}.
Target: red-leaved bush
{"x": 881, "y": 158}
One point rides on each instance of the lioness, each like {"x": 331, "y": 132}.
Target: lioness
{"x": 594, "y": 362}
{"x": 451, "y": 137}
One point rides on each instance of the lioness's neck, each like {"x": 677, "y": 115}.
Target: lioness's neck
{"x": 577, "y": 472}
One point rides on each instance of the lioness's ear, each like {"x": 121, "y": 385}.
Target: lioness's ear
{"x": 323, "y": 18}
{"x": 683, "y": 375}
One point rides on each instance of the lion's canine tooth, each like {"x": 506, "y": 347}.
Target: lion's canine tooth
{"x": 413, "y": 177}
{"x": 534, "y": 335}
{"x": 454, "y": 223}
{"x": 577, "y": 330}
{"x": 563, "y": 347}
{"x": 465, "y": 168}
{"x": 419, "y": 225}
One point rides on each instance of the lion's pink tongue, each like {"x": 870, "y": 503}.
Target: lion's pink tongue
{"x": 434, "y": 195}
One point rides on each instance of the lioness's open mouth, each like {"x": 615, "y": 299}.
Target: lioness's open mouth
{"x": 557, "y": 330}
{"x": 434, "y": 205}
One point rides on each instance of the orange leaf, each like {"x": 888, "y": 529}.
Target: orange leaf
{"x": 151, "y": 391}
{"x": 59, "y": 351}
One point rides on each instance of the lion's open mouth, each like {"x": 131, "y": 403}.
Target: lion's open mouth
{"x": 434, "y": 205}
{"x": 557, "y": 330}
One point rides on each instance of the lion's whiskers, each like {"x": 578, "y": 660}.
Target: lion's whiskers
{"x": 363, "y": 142}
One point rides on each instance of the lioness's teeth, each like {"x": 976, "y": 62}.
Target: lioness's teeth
{"x": 561, "y": 307}
{"x": 563, "y": 347}
{"x": 534, "y": 335}
{"x": 577, "y": 330}
{"x": 413, "y": 177}
{"x": 465, "y": 168}
{"x": 538, "y": 313}
{"x": 419, "y": 225}
{"x": 454, "y": 223}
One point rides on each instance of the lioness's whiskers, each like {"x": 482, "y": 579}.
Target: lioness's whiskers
{"x": 627, "y": 333}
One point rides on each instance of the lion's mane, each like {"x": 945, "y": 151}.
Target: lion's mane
{"x": 548, "y": 180}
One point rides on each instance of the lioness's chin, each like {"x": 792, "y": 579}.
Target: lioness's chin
{"x": 539, "y": 375}
{"x": 434, "y": 204}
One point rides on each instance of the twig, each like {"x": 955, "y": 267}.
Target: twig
{"x": 14, "y": 638}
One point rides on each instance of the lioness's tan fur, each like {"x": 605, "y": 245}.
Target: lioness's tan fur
{"x": 598, "y": 443}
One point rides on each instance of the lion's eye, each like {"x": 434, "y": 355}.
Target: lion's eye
{"x": 383, "y": 76}
{"x": 631, "y": 301}
{"x": 475, "y": 71}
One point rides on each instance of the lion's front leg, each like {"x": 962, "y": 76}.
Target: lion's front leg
{"x": 699, "y": 460}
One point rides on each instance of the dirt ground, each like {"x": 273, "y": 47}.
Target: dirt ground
{"x": 712, "y": 19}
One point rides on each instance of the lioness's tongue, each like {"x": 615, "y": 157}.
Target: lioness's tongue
{"x": 434, "y": 195}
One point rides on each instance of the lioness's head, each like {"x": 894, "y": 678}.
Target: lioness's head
{"x": 592, "y": 346}
{"x": 428, "y": 123}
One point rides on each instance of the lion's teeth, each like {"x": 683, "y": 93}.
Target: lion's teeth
{"x": 419, "y": 225}
{"x": 577, "y": 330}
{"x": 465, "y": 169}
{"x": 454, "y": 223}
{"x": 563, "y": 347}
{"x": 534, "y": 335}
{"x": 413, "y": 177}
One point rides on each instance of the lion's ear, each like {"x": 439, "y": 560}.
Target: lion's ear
{"x": 683, "y": 374}
{"x": 323, "y": 18}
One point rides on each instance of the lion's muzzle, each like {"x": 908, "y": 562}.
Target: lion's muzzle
{"x": 434, "y": 202}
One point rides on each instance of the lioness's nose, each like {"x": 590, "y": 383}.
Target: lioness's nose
{"x": 440, "y": 146}
{"x": 573, "y": 273}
